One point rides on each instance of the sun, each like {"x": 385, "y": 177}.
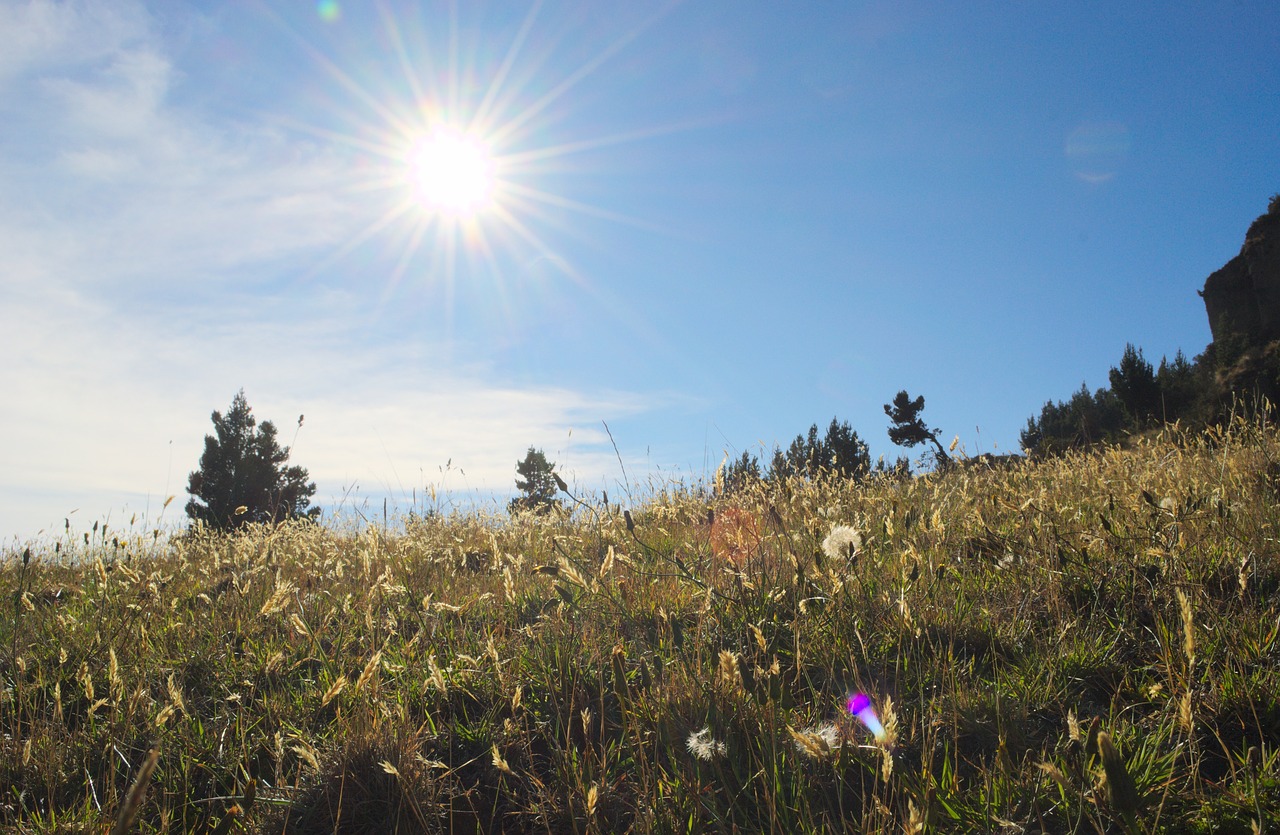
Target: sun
{"x": 465, "y": 154}
{"x": 452, "y": 173}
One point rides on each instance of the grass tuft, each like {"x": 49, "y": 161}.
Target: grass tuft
{"x": 1084, "y": 644}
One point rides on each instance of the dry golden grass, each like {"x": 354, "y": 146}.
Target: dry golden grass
{"x": 1085, "y": 644}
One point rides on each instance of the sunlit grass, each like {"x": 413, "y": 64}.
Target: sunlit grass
{"x": 1086, "y": 644}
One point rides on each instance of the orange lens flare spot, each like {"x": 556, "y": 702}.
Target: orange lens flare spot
{"x": 735, "y": 536}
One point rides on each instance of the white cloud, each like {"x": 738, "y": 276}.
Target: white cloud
{"x": 121, "y": 100}
{"x": 106, "y": 425}
{"x": 41, "y": 34}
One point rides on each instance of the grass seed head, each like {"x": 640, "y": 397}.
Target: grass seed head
{"x": 816, "y": 743}
{"x": 306, "y": 753}
{"x": 498, "y": 761}
{"x": 369, "y": 669}
{"x": 730, "y": 676}
{"x": 136, "y": 795}
{"x": 703, "y": 747}
{"x": 1188, "y": 628}
{"x": 175, "y": 694}
{"x": 333, "y": 691}
{"x": 436, "y": 677}
{"x": 1054, "y": 773}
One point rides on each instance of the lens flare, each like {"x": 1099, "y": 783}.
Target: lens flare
{"x": 1097, "y": 151}
{"x": 860, "y": 706}
{"x": 328, "y": 10}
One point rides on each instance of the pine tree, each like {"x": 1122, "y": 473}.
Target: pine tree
{"x": 1181, "y": 388}
{"x": 907, "y": 428}
{"x": 1134, "y": 382}
{"x": 242, "y": 476}
{"x": 740, "y": 473}
{"x": 1086, "y": 419}
{"x": 839, "y": 451}
{"x": 538, "y": 481}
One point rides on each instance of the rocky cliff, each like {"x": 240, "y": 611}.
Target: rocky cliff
{"x": 1243, "y": 298}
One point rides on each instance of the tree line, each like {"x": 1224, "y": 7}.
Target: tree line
{"x": 1193, "y": 393}
{"x": 243, "y": 477}
{"x": 1238, "y": 370}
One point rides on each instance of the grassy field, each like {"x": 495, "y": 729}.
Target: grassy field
{"x": 1086, "y": 644}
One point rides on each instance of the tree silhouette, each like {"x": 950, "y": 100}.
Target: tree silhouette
{"x": 908, "y": 428}
{"x": 538, "y": 481}
{"x": 1182, "y": 389}
{"x": 840, "y": 451}
{"x": 242, "y": 477}
{"x": 1079, "y": 423}
{"x": 1134, "y": 382}
{"x": 739, "y": 473}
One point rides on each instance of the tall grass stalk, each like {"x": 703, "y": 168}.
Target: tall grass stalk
{"x": 1083, "y": 644}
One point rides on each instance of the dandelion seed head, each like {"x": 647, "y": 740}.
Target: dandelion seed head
{"x": 702, "y": 746}
{"x": 842, "y": 543}
{"x": 830, "y": 734}
{"x": 820, "y": 742}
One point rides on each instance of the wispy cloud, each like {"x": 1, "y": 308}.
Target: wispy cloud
{"x": 43, "y": 35}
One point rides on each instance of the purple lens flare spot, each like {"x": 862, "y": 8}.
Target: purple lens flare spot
{"x": 859, "y": 705}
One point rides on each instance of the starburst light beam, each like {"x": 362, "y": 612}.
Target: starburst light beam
{"x": 505, "y": 131}
{"x": 455, "y": 182}
{"x": 480, "y": 120}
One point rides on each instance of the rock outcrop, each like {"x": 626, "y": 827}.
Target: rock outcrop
{"x": 1243, "y": 298}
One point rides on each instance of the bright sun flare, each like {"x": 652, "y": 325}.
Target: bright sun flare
{"x": 452, "y": 173}
{"x": 458, "y": 161}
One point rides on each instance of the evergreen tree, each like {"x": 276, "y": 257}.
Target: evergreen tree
{"x": 845, "y": 453}
{"x": 1181, "y": 389}
{"x": 538, "y": 481}
{"x": 1134, "y": 383}
{"x": 901, "y": 468}
{"x": 803, "y": 458}
{"x": 243, "y": 466}
{"x": 740, "y": 473}
{"x": 908, "y": 429}
{"x": 1084, "y": 420}
{"x": 840, "y": 452}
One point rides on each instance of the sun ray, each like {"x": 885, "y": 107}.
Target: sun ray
{"x": 500, "y": 77}
{"x": 381, "y": 149}
{"x": 449, "y": 277}
{"x": 517, "y": 158}
{"x": 525, "y": 233}
{"x": 389, "y": 24}
{"x": 407, "y": 253}
{"x": 385, "y": 220}
{"x": 455, "y": 87}
{"x": 546, "y": 197}
{"x": 489, "y": 257}
{"x": 612, "y": 306}
{"x": 351, "y": 85}
{"x": 503, "y": 132}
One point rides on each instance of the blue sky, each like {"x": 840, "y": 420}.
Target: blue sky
{"x": 716, "y": 223}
